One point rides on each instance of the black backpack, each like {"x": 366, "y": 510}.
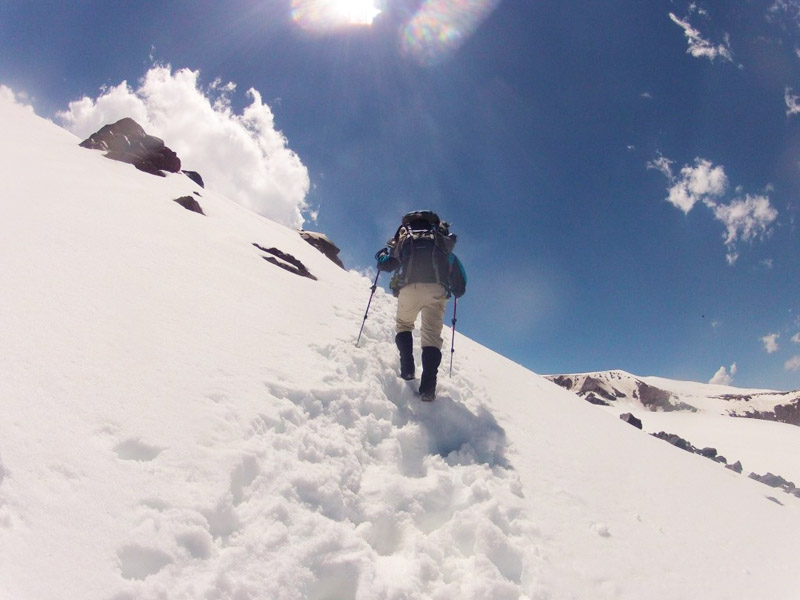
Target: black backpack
{"x": 422, "y": 245}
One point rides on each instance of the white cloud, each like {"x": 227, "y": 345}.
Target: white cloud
{"x": 702, "y": 182}
{"x": 770, "y": 342}
{"x": 793, "y": 364}
{"x": 792, "y": 102}
{"x": 699, "y": 47}
{"x": 723, "y": 376}
{"x": 663, "y": 164}
{"x": 784, "y": 11}
{"x": 745, "y": 219}
{"x": 241, "y": 156}
{"x": 9, "y": 95}
{"x": 796, "y": 338}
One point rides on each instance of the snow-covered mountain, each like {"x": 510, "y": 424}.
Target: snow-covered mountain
{"x": 706, "y": 416}
{"x": 183, "y": 418}
{"x": 659, "y": 394}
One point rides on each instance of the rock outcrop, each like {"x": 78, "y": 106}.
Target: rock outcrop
{"x": 128, "y": 142}
{"x": 321, "y": 242}
{"x": 190, "y": 203}
{"x": 285, "y": 261}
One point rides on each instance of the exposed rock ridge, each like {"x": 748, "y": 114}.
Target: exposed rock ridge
{"x": 127, "y": 141}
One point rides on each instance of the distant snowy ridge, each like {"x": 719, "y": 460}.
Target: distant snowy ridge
{"x": 657, "y": 393}
{"x": 649, "y": 398}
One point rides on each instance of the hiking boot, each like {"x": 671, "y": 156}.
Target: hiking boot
{"x": 427, "y": 396}
{"x": 431, "y": 358}
{"x": 405, "y": 344}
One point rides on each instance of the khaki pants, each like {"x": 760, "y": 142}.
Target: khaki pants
{"x": 430, "y": 299}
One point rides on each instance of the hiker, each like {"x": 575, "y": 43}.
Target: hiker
{"x": 427, "y": 273}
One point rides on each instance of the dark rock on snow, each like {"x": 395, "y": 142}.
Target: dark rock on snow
{"x": 195, "y": 176}
{"x": 737, "y": 466}
{"x": 128, "y": 142}
{"x": 709, "y": 452}
{"x": 592, "y": 399}
{"x": 676, "y": 441}
{"x": 773, "y": 480}
{"x": 321, "y": 242}
{"x": 783, "y": 413}
{"x": 190, "y": 203}
{"x": 631, "y": 420}
{"x": 285, "y": 261}
{"x": 595, "y": 386}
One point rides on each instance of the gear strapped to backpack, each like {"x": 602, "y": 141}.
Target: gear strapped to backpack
{"x": 422, "y": 249}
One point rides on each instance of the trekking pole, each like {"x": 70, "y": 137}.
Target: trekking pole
{"x": 373, "y": 288}
{"x": 453, "y": 340}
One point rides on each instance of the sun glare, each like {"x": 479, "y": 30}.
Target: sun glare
{"x": 357, "y": 12}
{"x": 331, "y": 14}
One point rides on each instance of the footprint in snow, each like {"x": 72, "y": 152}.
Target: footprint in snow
{"x": 138, "y": 562}
{"x": 136, "y": 450}
{"x": 460, "y": 436}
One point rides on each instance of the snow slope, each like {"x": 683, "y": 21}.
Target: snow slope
{"x": 182, "y": 419}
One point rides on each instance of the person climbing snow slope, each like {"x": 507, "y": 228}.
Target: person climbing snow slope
{"x": 427, "y": 273}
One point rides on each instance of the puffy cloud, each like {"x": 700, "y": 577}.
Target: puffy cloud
{"x": 770, "y": 342}
{"x": 793, "y": 364}
{"x": 796, "y": 338}
{"x": 702, "y": 182}
{"x": 745, "y": 219}
{"x": 9, "y": 95}
{"x": 242, "y": 156}
{"x": 723, "y": 376}
{"x": 792, "y": 102}
{"x": 700, "y": 47}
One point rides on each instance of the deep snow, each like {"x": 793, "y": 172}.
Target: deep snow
{"x": 182, "y": 419}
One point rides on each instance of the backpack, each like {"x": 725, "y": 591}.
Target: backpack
{"x": 422, "y": 246}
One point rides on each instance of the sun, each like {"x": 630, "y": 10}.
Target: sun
{"x": 330, "y": 14}
{"x": 355, "y": 12}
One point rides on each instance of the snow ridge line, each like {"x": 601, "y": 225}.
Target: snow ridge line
{"x": 353, "y": 490}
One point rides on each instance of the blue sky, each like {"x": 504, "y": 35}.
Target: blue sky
{"x": 623, "y": 175}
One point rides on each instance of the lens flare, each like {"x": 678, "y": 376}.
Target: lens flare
{"x": 440, "y": 27}
{"x": 325, "y": 15}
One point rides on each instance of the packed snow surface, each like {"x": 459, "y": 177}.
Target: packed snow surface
{"x": 183, "y": 419}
